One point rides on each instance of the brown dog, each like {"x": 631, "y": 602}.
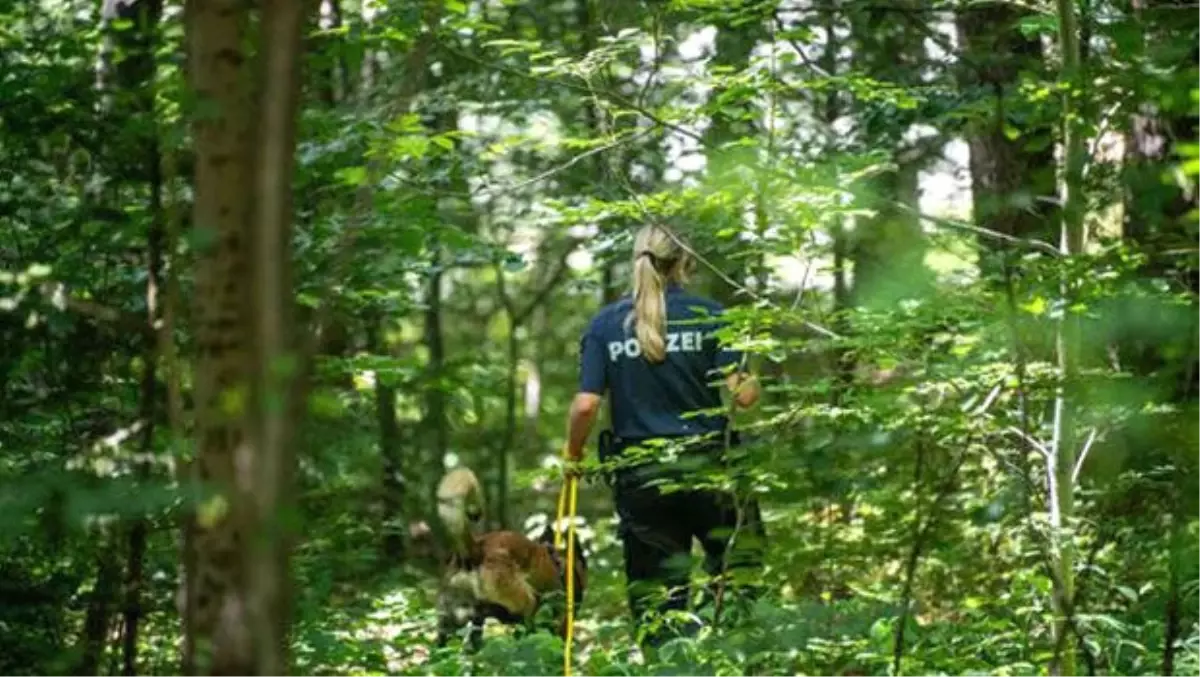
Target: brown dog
{"x": 504, "y": 575}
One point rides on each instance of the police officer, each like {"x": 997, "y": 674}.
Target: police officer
{"x": 655, "y": 355}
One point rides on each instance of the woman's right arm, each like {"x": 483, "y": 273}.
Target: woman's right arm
{"x": 743, "y": 386}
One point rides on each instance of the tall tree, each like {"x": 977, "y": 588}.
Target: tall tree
{"x": 245, "y": 363}
{"x": 1156, "y": 199}
{"x": 1013, "y": 172}
{"x": 741, "y": 26}
{"x": 136, "y": 76}
{"x": 1160, "y": 207}
{"x": 1069, "y": 336}
{"x": 888, "y": 247}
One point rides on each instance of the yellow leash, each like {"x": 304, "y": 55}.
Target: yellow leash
{"x": 570, "y": 488}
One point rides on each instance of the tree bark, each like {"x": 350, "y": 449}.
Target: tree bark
{"x": 99, "y": 608}
{"x": 392, "y": 478}
{"x": 1153, "y": 205}
{"x": 734, "y": 45}
{"x": 246, "y": 402}
{"x": 1068, "y": 346}
{"x": 136, "y": 78}
{"x": 329, "y": 80}
{"x": 276, "y": 397}
{"x": 216, "y": 618}
{"x": 436, "y": 424}
{"x": 1011, "y": 178}
{"x": 888, "y": 248}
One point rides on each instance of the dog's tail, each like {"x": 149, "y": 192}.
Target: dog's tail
{"x": 460, "y": 508}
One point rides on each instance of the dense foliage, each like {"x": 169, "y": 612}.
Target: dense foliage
{"x": 957, "y": 239}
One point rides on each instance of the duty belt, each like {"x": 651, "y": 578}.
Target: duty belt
{"x": 611, "y": 447}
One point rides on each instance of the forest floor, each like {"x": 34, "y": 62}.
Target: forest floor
{"x": 387, "y": 626}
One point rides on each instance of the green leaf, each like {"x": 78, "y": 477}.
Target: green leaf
{"x": 410, "y": 147}
{"x": 409, "y": 240}
{"x": 1038, "y": 24}
{"x": 351, "y": 176}
{"x": 1128, "y": 593}
{"x": 1188, "y": 150}
{"x": 408, "y": 123}
{"x": 1036, "y": 306}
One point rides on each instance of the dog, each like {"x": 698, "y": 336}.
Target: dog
{"x": 504, "y": 575}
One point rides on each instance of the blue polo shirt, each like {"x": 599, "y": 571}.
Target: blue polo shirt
{"x": 679, "y": 396}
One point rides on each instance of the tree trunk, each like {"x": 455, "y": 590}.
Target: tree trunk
{"x": 457, "y": 213}
{"x": 1012, "y": 179}
{"x": 133, "y": 596}
{"x": 734, "y": 44}
{"x": 216, "y": 618}
{"x": 392, "y": 478}
{"x": 99, "y": 608}
{"x": 1062, "y": 499}
{"x": 136, "y": 78}
{"x": 137, "y": 155}
{"x": 831, "y": 110}
{"x": 1155, "y": 207}
{"x": 245, "y": 400}
{"x": 438, "y": 423}
{"x": 277, "y": 401}
{"x": 888, "y": 248}
{"x": 435, "y": 397}
{"x": 1155, "y": 220}
{"x": 513, "y": 354}
{"x": 329, "y": 79}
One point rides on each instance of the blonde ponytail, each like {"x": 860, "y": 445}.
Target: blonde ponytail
{"x": 658, "y": 258}
{"x": 649, "y": 309}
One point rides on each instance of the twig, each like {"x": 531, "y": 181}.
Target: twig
{"x": 1041, "y": 448}
{"x": 675, "y": 127}
{"x": 738, "y": 506}
{"x": 582, "y": 88}
{"x": 740, "y": 287}
{"x": 989, "y": 400}
{"x": 59, "y": 298}
{"x": 414, "y": 81}
{"x": 539, "y": 296}
{"x": 512, "y": 188}
{"x": 922, "y": 527}
{"x": 978, "y": 230}
{"x": 803, "y": 284}
{"x": 1042, "y": 545}
{"x": 1087, "y": 446}
{"x": 660, "y": 55}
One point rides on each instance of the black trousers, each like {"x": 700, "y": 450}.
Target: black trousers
{"x": 657, "y": 529}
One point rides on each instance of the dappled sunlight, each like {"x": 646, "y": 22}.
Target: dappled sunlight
{"x": 268, "y": 271}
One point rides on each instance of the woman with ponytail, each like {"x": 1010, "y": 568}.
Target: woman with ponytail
{"x": 656, "y": 356}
